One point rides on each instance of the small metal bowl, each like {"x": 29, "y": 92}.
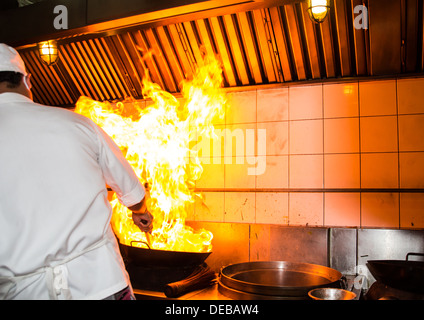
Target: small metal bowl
{"x": 331, "y": 294}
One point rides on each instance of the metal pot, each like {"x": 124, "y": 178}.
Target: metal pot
{"x": 399, "y": 274}
{"x": 331, "y": 294}
{"x": 276, "y": 279}
{"x": 145, "y": 257}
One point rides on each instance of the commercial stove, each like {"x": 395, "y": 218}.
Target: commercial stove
{"x": 261, "y": 280}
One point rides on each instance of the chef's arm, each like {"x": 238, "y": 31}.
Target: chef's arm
{"x": 120, "y": 176}
{"x": 139, "y": 207}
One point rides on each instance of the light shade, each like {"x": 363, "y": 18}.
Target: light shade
{"x": 318, "y": 10}
{"x": 48, "y": 51}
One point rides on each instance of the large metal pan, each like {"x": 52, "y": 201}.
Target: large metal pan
{"x": 145, "y": 257}
{"x": 399, "y": 274}
{"x": 278, "y": 278}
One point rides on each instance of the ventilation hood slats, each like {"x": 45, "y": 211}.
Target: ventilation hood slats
{"x": 259, "y": 43}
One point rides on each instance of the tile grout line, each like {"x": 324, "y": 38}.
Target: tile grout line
{"x": 323, "y": 157}
{"x": 360, "y": 155}
{"x": 398, "y": 149}
{"x": 288, "y": 156}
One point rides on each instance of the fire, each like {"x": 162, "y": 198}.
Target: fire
{"x": 156, "y": 141}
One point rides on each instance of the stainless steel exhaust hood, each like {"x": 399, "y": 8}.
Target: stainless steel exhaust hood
{"x": 259, "y": 43}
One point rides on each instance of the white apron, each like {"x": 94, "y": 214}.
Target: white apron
{"x": 56, "y": 276}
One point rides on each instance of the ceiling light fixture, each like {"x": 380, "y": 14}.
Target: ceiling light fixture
{"x": 49, "y": 52}
{"x": 318, "y": 10}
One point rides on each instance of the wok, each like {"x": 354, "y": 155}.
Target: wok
{"x": 399, "y": 274}
{"x": 278, "y": 278}
{"x": 146, "y": 257}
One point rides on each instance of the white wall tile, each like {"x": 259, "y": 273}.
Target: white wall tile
{"x": 210, "y": 207}
{"x": 341, "y": 100}
{"x": 306, "y": 137}
{"x": 379, "y": 170}
{"x": 342, "y": 209}
{"x": 342, "y": 170}
{"x": 305, "y": 102}
{"x": 319, "y": 146}
{"x": 306, "y": 209}
{"x": 236, "y": 173}
{"x": 410, "y": 95}
{"x": 272, "y": 208}
{"x": 277, "y": 137}
{"x": 306, "y": 171}
{"x": 341, "y": 135}
{"x": 411, "y": 169}
{"x": 273, "y": 104}
{"x": 212, "y": 175}
{"x": 239, "y": 207}
{"x": 379, "y": 134}
{"x": 411, "y": 210}
{"x": 276, "y": 173}
{"x": 240, "y": 139}
{"x": 242, "y": 107}
{"x": 377, "y": 98}
{"x": 411, "y": 132}
{"x": 380, "y": 210}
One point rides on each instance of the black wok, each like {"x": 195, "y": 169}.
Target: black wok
{"x": 145, "y": 257}
{"x": 399, "y": 274}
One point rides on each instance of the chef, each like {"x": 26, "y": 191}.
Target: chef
{"x": 56, "y": 240}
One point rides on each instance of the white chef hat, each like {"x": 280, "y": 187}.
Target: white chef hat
{"x": 10, "y": 60}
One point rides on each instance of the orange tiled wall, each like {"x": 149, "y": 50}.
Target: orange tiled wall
{"x": 325, "y": 144}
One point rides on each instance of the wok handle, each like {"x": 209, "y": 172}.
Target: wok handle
{"x": 143, "y": 242}
{"x": 414, "y": 254}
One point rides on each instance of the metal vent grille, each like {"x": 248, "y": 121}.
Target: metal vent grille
{"x": 265, "y": 46}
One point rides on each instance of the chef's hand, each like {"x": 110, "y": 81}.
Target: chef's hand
{"x": 143, "y": 220}
{"x": 141, "y": 216}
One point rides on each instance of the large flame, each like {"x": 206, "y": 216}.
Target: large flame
{"x": 156, "y": 141}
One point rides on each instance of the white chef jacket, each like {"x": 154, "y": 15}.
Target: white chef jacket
{"x": 56, "y": 241}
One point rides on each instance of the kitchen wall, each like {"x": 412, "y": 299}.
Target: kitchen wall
{"x": 343, "y": 249}
{"x": 327, "y": 173}
{"x": 347, "y": 154}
